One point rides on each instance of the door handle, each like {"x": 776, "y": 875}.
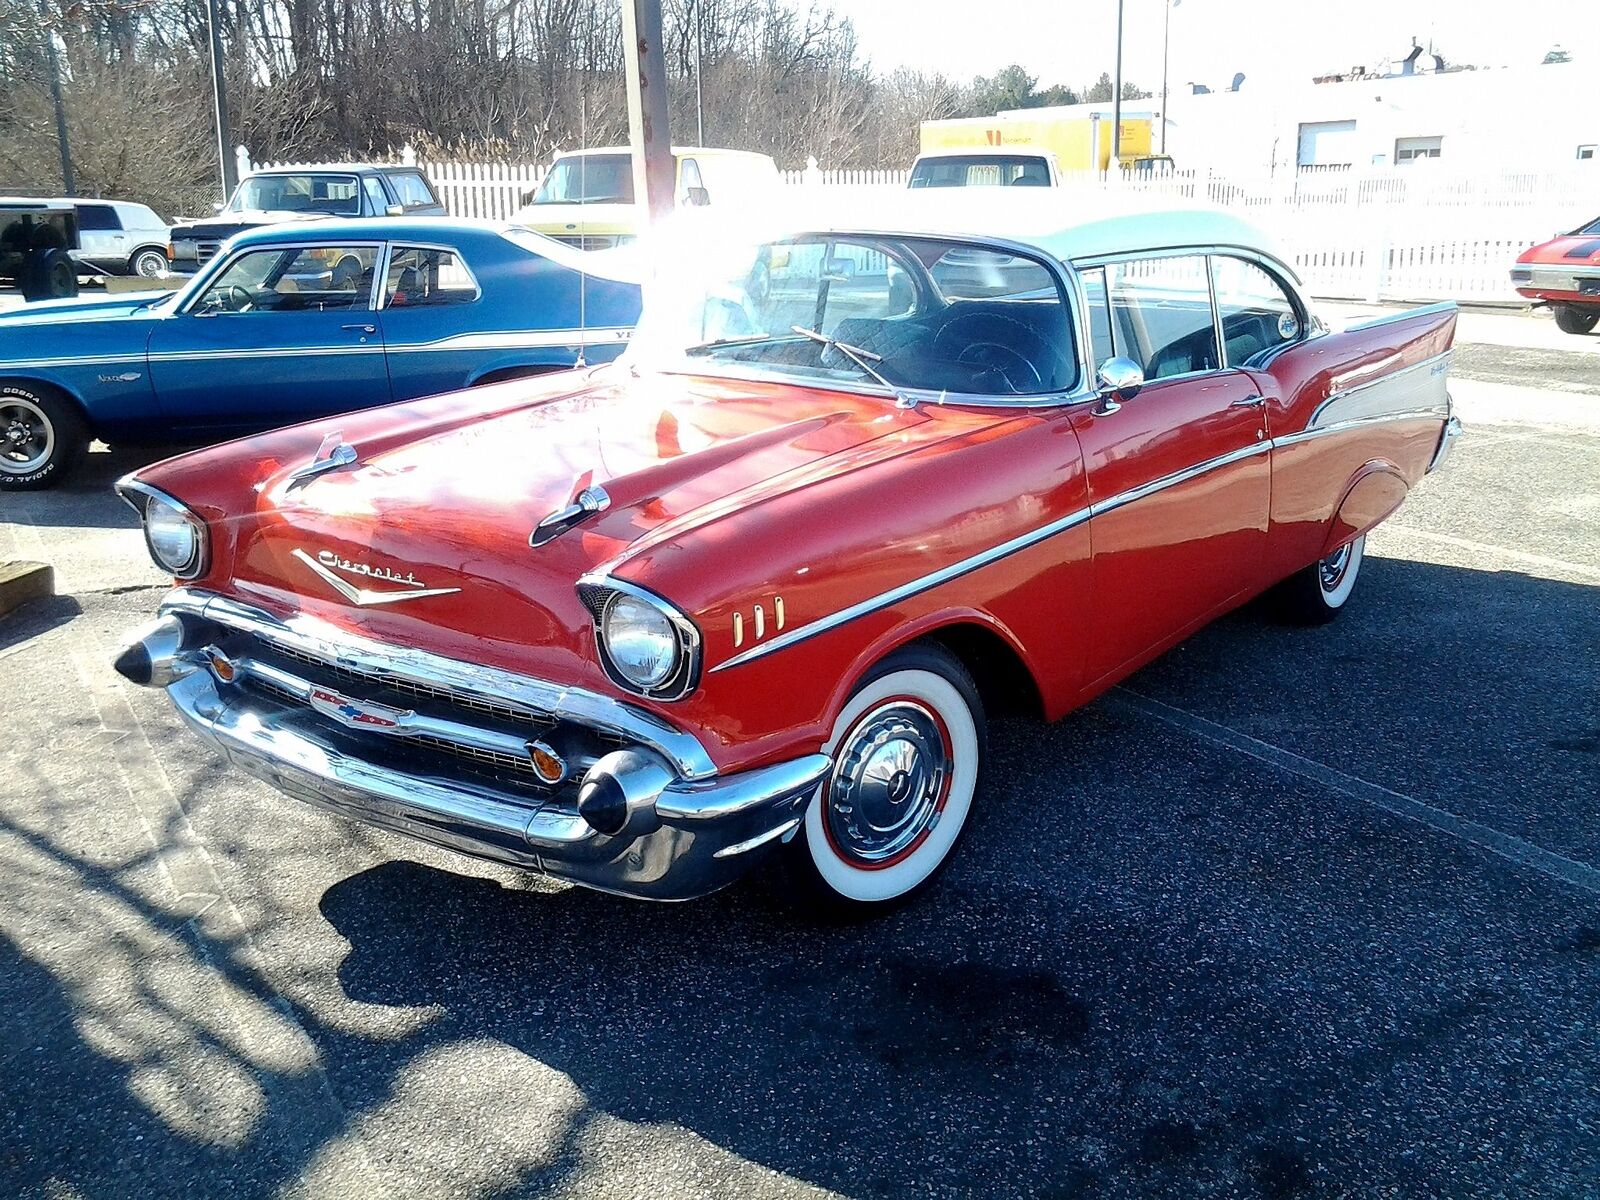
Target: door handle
{"x": 1248, "y": 402}
{"x": 360, "y": 328}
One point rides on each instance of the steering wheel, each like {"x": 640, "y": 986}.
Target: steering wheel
{"x": 982, "y": 350}
{"x": 240, "y": 299}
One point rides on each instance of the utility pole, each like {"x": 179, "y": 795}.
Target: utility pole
{"x": 654, "y": 172}
{"x": 1166, "y": 48}
{"x": 219, "y": 100}
{"x": 1116, "y": 99}
{"x": 67, "y": 182}
{"x": 699, "y": 60}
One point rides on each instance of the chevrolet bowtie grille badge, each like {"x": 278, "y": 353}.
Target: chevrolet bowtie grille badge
{"x": 327, "y": 563}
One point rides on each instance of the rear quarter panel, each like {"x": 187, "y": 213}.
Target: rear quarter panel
{"x": 1355, "y": 417}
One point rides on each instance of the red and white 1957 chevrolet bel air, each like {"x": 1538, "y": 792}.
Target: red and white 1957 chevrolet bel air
{"x": 752, "y": 590}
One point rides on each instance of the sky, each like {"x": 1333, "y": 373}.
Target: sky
{"x": 1072, "y": 41}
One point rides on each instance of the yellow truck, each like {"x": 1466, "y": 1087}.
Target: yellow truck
{"x": 1016, "y": 150}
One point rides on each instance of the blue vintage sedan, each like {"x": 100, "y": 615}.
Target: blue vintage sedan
{"x": 299, "y": 321}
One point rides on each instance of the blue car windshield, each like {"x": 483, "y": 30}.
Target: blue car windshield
{"x": 336, "y": 195}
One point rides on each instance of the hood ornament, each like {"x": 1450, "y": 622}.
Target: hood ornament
{"x": 333, "y": 455}
{"x": 585, "y": 504}
{"x": 327, "y": 562}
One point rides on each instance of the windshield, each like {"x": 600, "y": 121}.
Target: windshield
{"x": 588, "y": 179}
{"x": 1592, "y": 227}
{"x": 917, "y": 314}
{"x": 981, "y": 170}
{"x": 337, "y": 195}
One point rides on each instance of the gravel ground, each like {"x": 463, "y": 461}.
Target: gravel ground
{"x": 1293, "y": 912}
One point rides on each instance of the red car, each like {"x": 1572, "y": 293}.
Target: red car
{"x": 1565, "y": 274}
{"x": 752, "y": 591}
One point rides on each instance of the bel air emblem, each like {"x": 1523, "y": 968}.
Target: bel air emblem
{"x": 326, "y": 563}
{"x": 358, "y": 714}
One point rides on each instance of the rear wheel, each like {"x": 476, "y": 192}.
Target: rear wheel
{"x": 49, "y": 275}
{"x": 42, "y": 436}
{"x": 1576, "y": 320}
{"x": 149, "y": 263}
{"x": 1319, "y": 593}
{"x": 907, "y": 750}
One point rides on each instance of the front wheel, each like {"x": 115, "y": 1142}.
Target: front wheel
{"x": 907, "y": 750}
{"x": 41, "y": 437}
{"x": 1319, "y": 593}
{"x": 1576, "y": 320}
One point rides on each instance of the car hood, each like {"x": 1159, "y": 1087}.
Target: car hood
{"x": 445, "y": 495}
{"x": 553, "y": 220}
{"x": 226, "y": 225}
{"x": 84, "y": 308}
{"x": 1568, "y": 250}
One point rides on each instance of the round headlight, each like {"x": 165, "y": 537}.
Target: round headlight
{"x": 640, "y": 641}
{"x": 174, "y": 537}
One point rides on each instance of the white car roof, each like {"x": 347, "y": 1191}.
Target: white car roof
{"x": 1059, "y": 222}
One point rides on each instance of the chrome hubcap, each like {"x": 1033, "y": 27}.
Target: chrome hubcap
{"x": 150, "y": 265}
{"x": 28, "y": 437}
{"x": 1331, "y": 570}
{"x": 889, "y": 784}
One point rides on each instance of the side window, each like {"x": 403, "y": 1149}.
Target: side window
{"x": 1257, "y": 313}
{"x": 293, "y": 279}
{"x": 421, "y": 277}
{"x": 691, "y": 185}
{"x": 1101, "y": 345}
{"x": 98, "y": 217}
{"x": 413, "y": 190}
{"x": 1161, "y": 310}
{"x": 377, "y": 198}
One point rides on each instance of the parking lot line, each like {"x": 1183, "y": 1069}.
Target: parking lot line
{"x": 1533, "y": 560}
{"x": 1513, "y": 849}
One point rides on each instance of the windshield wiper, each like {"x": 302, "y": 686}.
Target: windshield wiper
{"x": 862, "y": 358}
{"x": 749, "y": 339}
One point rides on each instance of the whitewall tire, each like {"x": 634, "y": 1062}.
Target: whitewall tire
{"x": 907, "y": 750}
{"x": 1319, "y": 593}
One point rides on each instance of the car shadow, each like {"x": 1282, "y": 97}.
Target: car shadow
{"x": 1157, "y": 967}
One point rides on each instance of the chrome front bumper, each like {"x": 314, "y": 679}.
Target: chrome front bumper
{"x": 677, "y": 838}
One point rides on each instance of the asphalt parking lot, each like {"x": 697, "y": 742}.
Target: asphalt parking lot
{"x": 1294, "y": 912}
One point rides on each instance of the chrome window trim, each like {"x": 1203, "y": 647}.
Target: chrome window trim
{"x": 381, "y": 282}
{"x": 313, "y": 636}
{"x": 201, "y": 281}
{"x": 966, "y": 566}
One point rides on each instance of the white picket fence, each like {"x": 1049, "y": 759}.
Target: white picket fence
{"x": 1396, "y": 233}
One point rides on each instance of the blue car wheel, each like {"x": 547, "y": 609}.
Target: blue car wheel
{"x": 42, "y": 435}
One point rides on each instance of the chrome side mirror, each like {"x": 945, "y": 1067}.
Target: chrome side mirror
{"x": 1117, "y": 381}
{"x": 395, "y": 210}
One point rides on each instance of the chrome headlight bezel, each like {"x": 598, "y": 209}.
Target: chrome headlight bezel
{"x": 600, "y": 594}
{"x": 146, "y": 501}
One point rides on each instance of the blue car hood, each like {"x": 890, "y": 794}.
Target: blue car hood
{"x": 84, "y": 308}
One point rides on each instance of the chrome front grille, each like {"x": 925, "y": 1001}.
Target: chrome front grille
{"x": 416, "y": 691}
{"x": 477, "y": 734}
{"x": 206, "y": 251}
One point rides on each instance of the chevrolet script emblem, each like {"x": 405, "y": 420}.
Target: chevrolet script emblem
{"x": 326, "y": 563}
